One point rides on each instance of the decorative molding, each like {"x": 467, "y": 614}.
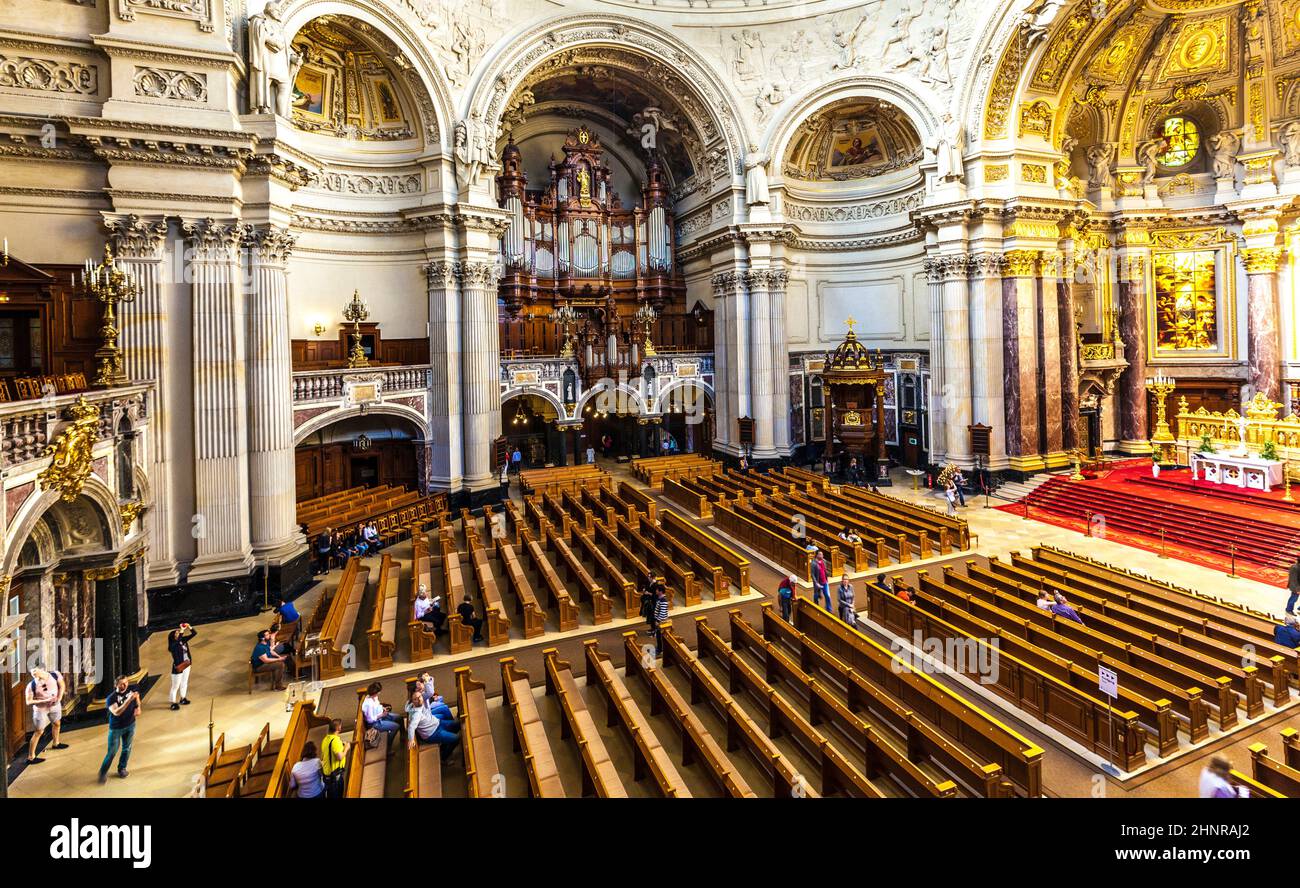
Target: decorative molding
{"x": 71, "y": 451}
{"x": 1021, "y": 263}
{"x": 854, "y": 212}
{"x": 135, "y": 238}
{"x": 197, "y": 11}
{"x": 1261, "y": 260}
{"x": 48, "y": 75}
{"x": 366, "y": 184}
{"x": 163, "y": 83}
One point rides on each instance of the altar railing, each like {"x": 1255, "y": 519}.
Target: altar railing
{"x": 1259, "y": 421}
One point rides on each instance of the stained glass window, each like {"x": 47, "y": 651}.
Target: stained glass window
{"x": 1182, "y": 141}
{"x": 1186, "y": 300}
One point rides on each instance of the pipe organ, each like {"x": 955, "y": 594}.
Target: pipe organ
{"x": 575, "y": 242}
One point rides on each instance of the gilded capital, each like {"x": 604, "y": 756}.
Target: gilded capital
{"x": 1021, "y": 263}
{"x": 1261, "y": 260}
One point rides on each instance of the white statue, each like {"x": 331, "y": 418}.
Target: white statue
{"x": 846, "y": 39}
{"x": 468, "y": 164}
{"x": 1148, "y": 155}
{"x": 947, "y": 148}
{"x": 1039, "y": 16}
{"x": 934, "y": 47}
{"x": 271, "y": 64}
{"x": 900, "y": 30}
{"x": 1225, "y": 145}
{"x": 769, "y": 95}
{"x": 755, "y": 178}
{"x": 1099, "y": 157}
{"x": 1290, "y": 135}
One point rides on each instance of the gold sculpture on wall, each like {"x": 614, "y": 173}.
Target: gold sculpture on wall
{"x": 130, "y": 512}
{"x": 70, "y": 467}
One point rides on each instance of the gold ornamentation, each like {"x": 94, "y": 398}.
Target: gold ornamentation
{"x": 1112, "y": 63}
{"x": 71, "y": 465}
{"x": 1035, "y": 173}
{"x": 110, "y": 285}
{"x": 356, "y": 312}
{"x": 1189, "y": 238}
{"x": 1162, "y": 386}
{"x": 1098, "y": 351}
{"x": 1042, "y": 229}
{"x": 851, "y": 418}
{"x": 996, "y": 172}
{"x": 1003, "y": 88}
{"x": 1021, "y": 263}
{"x": 1261, "y": 260}
{"x": 1062, "y": 48}
{"x": 1201, "y": 48}
{"x": 130, "y": 512}
{"x": 1186, "y": 300}
{"x": 97, "y": 574}
{"x": 1036, "y": 119}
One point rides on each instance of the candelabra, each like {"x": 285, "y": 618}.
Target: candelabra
{"x": 111, "y": 286}
{"x": 1162, "y": 386}
{"x": 356, "y": 312}
{"x": 4, "y": 260}
{"x": 645, "y": 316}
{"x": 565, "y": 316}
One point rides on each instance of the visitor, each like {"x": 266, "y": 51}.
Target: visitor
{"x": 517, "y": 461}
{"x": 1062, "y": 608}
{"x": 323, "y": 546}
{"x": 1045, "y": 601}
{"x": 591, "y": 456}
{"x": 287, "y": 613}
{"x": 855, "y": 472}
{"x": 427, "y": 610}
{"x": 647, "y": 609}
{"x": 370, "y": 534}
{"x": 265, "y": 659}
{"x": 950, "y": 493}
{"x": 882, "y": 583}
{"x": 959, "y": 484}
{"x": 660, "y": 617}
{"x": 1288, "y": 633}
{"x": 1216, "y": 780}
{"x": 123, "y": 706}
{"x": 307, "y": 777}
{"x": 425, "y": 727}
{"x": 1293, "y": 585}
{"x": 821, "y": 580}
{"x": 178, "y": 645}
{"x": 844, "y": 594}
{"x": 785, "y": 596}
{"x": 903, "y": 594}
{"x": 45, "y": 694}
{"x": 466, "y": 611}
{"x": 334, "y": 759}
{"x": 437, "y": 705}
{"x": 378, "y": 716}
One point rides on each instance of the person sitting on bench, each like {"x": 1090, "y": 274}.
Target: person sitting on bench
{"x": 379, "y": 715}
{"x": 466, "y": 611}
{"x": 371, "y": 536}
{"x": 1062, "y": 608}
{"x": 424, "y": 726}
{"x": 438, "y": 706}
{"x": 265, "y": 659}
{"x": 427, "y": 610}
{"x": 1288, "y": 633}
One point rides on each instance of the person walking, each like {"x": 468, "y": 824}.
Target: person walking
{"x": 660, "y": 617}
{"x": 178, "y": 645}
{"x": 844, "y": 593}
{"x": 45, "y": 694}
{"x": 821, "y": 581}
{"x": 1293, "y": 585}
{"x": 950, "y": 493}
{"x": 516, "y": 461}
{"x": 785, "y": 596}
{"x": 334, "y": 759}
{"x": 123, "y": 711}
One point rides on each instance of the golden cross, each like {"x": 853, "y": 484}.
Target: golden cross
{"x": 850, "y": 322}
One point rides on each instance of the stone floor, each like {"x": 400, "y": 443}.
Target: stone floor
{"x": 171, "y": 746}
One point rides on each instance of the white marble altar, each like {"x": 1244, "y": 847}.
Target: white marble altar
{"x": 1246, "y": 472}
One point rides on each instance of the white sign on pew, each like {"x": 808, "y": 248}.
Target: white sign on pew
{"x": 1108, "y": 681}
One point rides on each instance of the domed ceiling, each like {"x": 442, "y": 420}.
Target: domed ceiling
{"x": 852, "y": 139}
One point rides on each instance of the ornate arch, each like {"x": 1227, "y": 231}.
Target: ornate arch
{"x": 316, "y": 423}
{"x": 405, "y": 33}
{"x": 709, "y": 103}
{"x": 674, "y": 385}
{"x": 96, "y": 492}
{"x": 547, "y": 396}
{"x": 620, "y": 390}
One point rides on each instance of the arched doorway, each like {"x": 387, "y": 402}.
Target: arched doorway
{"x": 528, "y": 422}
{"x": 360, "y": 451}
{"x": 687, "y": 419}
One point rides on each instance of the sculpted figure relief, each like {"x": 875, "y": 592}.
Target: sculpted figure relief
{"x": 271, "y": 64}
{"x": 755, "y": 178}
{"x": 947, "y": 148}
{"x": 848, "y": 41}
{"x": 1225, "y": 146}
{"x": 1099, "y": 159}
{"x": 1290, "y": 135}
{"x": 1148, "y": 155}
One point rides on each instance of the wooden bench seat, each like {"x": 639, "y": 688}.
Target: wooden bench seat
{"x": 476, "y": 737}
{"x": 599, "y": 776}
{"x": 533, "y": 616}
{"x": 382, "y": 634}
{"x": 530, "y": 733}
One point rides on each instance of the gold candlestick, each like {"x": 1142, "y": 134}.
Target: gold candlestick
{"x": 565, "y": 316}
{"x": 1286, "y": 481}
{"x": 1162, "y": 386}
{"x": 356, "y": 312}
{"x": 645, "y": 315}
{"x": 111, "y": 286}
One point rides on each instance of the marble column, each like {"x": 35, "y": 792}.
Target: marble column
{"x": 1069, "y": 354}
{"x": 1133, "y": 331}
{"x": 108, "y": 624}
{"x": 1049, "y": 360}
{"x": 480, "y": 372}
{"x": 129, "y": 608}
{"x": 1020, "y": 366}
{"x": 935, "y": 398}
{"x": 273, "y": 527}
{"x": 1262, "y": 328}
{"x": 731, "y": 362}
{"x": 956, "y": 394}
{"x": 221, "y": 523}
{"x": 777, "y": 280}
{"x": 138, "y": 244}
{"x": 445, "y": 450}
{"x": 761, "y": 363}
{"x": 986, "y": 352}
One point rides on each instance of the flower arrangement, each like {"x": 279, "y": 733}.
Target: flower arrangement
{"x": 1206, "y": 446}
{"x": 1269, "y": 450}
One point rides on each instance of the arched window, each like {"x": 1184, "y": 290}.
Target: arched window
{"x": 1182, "y": 142}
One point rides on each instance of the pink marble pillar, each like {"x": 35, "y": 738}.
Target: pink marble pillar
{"x": 1020, "y": 378}
{"x": 1133, "y": 331}
{"x": 1262, "y": 337}
{"x": 1069, "y": 359}
{"x": 1049, "y": 354}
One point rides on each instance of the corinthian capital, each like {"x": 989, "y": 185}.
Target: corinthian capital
{"x": 269, "y": 243}
{"x": 1261, "y": 260}
{"x": 135, "y": 237}
{"x": 441, "y": 273}
{"x": 988, "y": 265}
{"x": 213, "y": 239}
{"x": 954, "y": 267}
{"x": 479, "y": 274}
{"x": 1022, "y": 263}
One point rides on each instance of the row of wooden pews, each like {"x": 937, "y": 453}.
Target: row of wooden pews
{"x": 555, "y": 480}
{"x": 652, "y": 470}
{"x": 335, "y": 618}
{"x": 382, "y": 634}
{"x": 392, "y": 509}
{"x": 1274, "y": 778}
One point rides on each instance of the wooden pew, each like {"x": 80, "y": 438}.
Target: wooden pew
{"x": 648, "y": 753}
{"x": 367, "y": 768}
{"x": 530, "y": 733}
{"x": 420, "y": 635}
{"x": 599, "y": 776}
{"x": 495, "y": 622}
{"x": 705, "y": 572}
{"x": 1276, "y": 776}
{"x": 788, "y": 554}
{"x": 557, "y": 596}
{"x": 696, "y": 502}
{"x": 588, "y": 588}
{"x": 609, "y": 572}
{"x": 341, "y": 619}
{"x": 382, "y": 634}
{"x": 697, "y": 742}
{"x": 734, "y": 565}
{"x": 304, "y": 724}
{"x": 526, "y": 603}
{"x": 642, "y": 501}
{"x": 481, "y": 770}
{"x": 461, "y": 636}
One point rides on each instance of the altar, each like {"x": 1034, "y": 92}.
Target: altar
{"x": 1246, "y": 472}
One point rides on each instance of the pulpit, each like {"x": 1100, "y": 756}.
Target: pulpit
{"x": 855, "y": 389}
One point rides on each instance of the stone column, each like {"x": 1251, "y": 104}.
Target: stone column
{"x": 1262, "y": 328}
{"x": 935, "y": 404}
{"x": 731, "y": 371}
{"x": 761, "y": 363}
{"x": 480, "y": 372}
{"x": 139, "y": 244}
{"x": 108, "y": 624}
{"x": 1133, "y": 331}
{"x": 445, "y": 440}
{"x": 1069, "y": 352}
{"x": 777, "y": 279}
{"x": 986, "y": 352}
{"x": 221, "y": 528}
{"x": 273, "y": 530}
{"x": 1020, "y": 370}
{"x": 1049, "y": 360}
{"x": 955, "y": 269}
{"x": 129, "y": 590}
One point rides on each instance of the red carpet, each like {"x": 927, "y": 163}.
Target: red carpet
{"x": 1203, "y": 522}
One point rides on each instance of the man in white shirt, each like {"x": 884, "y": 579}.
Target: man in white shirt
{"x": 45, "y": 695}
{"x": 424, "y": 726}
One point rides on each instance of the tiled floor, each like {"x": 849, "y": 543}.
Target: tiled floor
{"x": 171, "y": 746}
